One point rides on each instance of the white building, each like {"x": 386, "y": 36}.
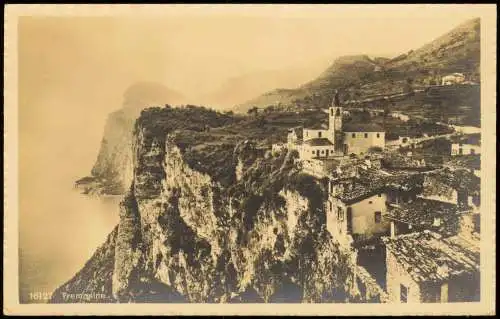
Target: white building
{"x": 401, "y": 116}
{"x": 359, "y": 138}
{"x": 320, "y": 143}
{"x": 316, "y": 148}
{"x": 465, "y": 149}
{"x": 467, "y": 145}
{"x": 455, "y": 78}
{"x": 335, "y": 139}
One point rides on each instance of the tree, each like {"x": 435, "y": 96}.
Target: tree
{"x": 254, "y": 110}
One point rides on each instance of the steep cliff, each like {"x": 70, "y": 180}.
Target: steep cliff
{"x": 216, "y": 222}
{"x": 113, "y": 170}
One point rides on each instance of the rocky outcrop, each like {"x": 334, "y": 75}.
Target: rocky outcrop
{"x": 248, "y": 228}
{"x": 112, "y": 172}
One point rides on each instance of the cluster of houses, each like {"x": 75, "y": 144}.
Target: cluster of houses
{"x": 467, "y": 145}
{"x": 424, "y": 227}
{"x": 414, "y": 231}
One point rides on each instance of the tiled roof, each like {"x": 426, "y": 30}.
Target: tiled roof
{"x": 369, "y": 127}
{"x": 318, "y": 142}
{"x": 421, "y": 213}
{"x": 458, "y": 179}
{"x": 426, "y": 256}
{"x": 405, "y": 182}
{"x": 358, "y": 191}
{"x": 400, "y": 161}
{"x": 317, "y": 126}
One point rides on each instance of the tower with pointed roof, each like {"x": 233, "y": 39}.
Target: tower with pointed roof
{"x": 335, "y": 114}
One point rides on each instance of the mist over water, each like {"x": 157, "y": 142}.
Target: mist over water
{"x": 59, "y": 227}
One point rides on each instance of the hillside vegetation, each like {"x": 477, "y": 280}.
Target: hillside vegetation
{"x": 360, "y": 77}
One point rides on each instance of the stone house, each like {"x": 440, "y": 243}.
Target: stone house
{"x": 355, "y": 210}
{"x": 425, "y": 214}
{"x": 424, "y": 267}
{"x": 456, "y": 186}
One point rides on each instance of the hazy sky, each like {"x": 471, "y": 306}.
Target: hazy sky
{"x": 194, "y": 50}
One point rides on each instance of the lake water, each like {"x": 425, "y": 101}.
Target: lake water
{"x": 58, "y": 235}
{"x": 59, "y": 228}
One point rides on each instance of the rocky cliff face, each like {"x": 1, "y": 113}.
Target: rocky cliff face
{"x": 112, "y": 172}
{"x": 113, "y": 169}
{"x": 188, "y": 233}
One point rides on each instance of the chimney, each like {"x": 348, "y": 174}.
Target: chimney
{"x": 443, "y": 269}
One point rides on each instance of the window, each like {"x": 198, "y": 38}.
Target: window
{"x": 331, "y": 206}
{"x": 319, "y": 134}
{"x": 331, "y": 112}
{"x": 403, "y": 293}
{"x": 366, "y": 135}
{"x": 369, "y": 202}
{"x": 379, "y": 194}
{"x": 472, "y": 151}
{"x": 340, "y": 214}
{"x": 338, "y": 112}
{"x": 353, "y": 135}
{"x": 460, "y": 151}
{"x": 349, "y": 219}
{"x": 313, "y": 151}
{"x": 378, "y": 135}
{"x": 378, "y": 217}
{"x": 322, "y": 151}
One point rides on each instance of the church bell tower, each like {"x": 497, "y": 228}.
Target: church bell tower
{"x": 335, "y": 115}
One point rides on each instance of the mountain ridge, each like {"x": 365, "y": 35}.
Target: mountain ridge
{"x": 454, "y": 51}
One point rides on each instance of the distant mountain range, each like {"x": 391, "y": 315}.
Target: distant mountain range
{"x": 359, "y": 76}
{"x": 144, "y": 94}
{"x": 237, "y": 89}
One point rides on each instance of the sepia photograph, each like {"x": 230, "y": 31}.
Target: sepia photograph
{"x": 250, "y": 159}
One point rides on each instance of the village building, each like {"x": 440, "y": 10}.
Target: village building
{"x": 455, "y": 78}
{"x": 359, "y": 138}
{"x": 400, "y": 116}
{"x": 459, "y": 187}
{"x": 359, "y": 196}
{"x": 468, "y": 145}
{"x": 397, "y": 161}
{"x": 424, "y": 267}
{"x": 335, "y": 139}
{"x": 355, "y": 210}
{"x": 425, "y": 214}
{"x": 319, "y": 142}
